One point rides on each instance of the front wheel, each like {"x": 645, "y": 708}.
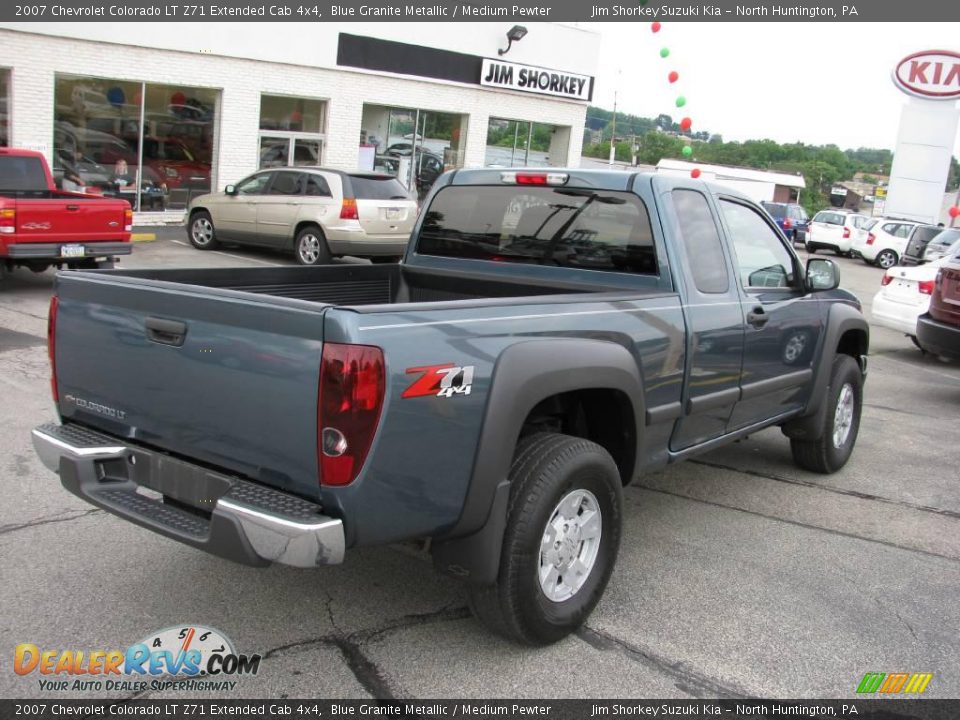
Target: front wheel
{"x": 561, "y": 542}
{"x": 202, "y": 233}
{"x": 845, "y": 402}
{"x": 311, "y": 247}
{"x": 886, "y": 259}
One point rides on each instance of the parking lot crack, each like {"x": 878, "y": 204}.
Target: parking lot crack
{"x": 690, "y": 681}
{"x": 59, "y": 518}
{"x": 828, "y": 488}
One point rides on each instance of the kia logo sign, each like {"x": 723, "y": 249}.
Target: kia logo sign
{"x": 932, "y": 74}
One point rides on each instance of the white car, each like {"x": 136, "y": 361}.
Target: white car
{"x": 884, "y": 241}
{"x": 905, "y": 295}
{"x": 835, "y": 230}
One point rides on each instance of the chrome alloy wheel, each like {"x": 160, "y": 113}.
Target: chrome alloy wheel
{"x": 570, "y": 544}
{"x": 201, "y": 231}
{"x": 309, "y": 248}
{"x": 843, "y": 416}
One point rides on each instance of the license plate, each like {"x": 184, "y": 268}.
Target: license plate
{"x": 72, "y": 251}
{"x": 393, "y": 213}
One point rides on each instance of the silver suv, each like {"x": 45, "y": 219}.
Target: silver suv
{"x": 314, "y": 212}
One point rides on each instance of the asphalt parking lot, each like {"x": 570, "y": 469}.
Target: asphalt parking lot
{"x": 739, "y": 574}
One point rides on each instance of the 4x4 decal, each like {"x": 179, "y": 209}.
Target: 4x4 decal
{"x": 440, "y": 381}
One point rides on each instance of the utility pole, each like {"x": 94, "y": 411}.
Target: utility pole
{"x": 613, "y": 133}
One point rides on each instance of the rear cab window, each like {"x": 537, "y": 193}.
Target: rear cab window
{"x": 582, "y": 228}
{"x": 830, "y": 218}
{"x": 22, "y": 174}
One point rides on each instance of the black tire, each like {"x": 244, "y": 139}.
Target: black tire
{"x": 548, "y": 468}
{"x": 201, "y": 233}
{"x": 310, "y": 246}
{"x": 825, "y": 455}
{"x": 886, "y": 259}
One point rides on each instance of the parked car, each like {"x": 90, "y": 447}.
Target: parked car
{"x": 940, "y": 245}
{"x": 835, "y": 230}
{"x": 791, "y": 218}
{"x": 905, "y": 294}
{"x": 172, "y": 160}
{"x": 938, "y": 331}
{"x": 917, "y": 243}
{"x": 493, "y": 393}
{"x": 42, "y": 226}
{"x": 315, "y": 213}
{"x": 884, "y": 242}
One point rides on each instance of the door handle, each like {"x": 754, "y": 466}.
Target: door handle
{"x": 757, "y": 317}
{"x": 73, "y": 207}
{"x": 166, "y": 332}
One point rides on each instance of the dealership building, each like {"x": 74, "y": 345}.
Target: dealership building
{"x": 160, "y": 112}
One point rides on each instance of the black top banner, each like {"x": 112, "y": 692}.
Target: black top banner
{"x": 493, "y": 10}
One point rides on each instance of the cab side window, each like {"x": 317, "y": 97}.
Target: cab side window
{"x": 702, "y": 243}
{"x": 317, "y": 186}
{"x": 761, "y": 257}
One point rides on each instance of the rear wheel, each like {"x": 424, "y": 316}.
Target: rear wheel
{"x": 561, "y": 543}
{"x": 310, "y": 247}
{"x": 845, "y": 402}
{"x": 203, "y": 236}
{"x": 886, "y": 259}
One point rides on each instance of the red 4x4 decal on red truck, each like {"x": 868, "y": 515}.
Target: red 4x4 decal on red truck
{"x": 444, "y": 380}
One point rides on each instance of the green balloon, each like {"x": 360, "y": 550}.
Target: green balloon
{"x": 681, "y": 101}
{"x": 687, "y": 151}
{"x": 664, "y": 52}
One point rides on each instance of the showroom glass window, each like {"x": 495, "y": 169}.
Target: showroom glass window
{"x": 147, "y": 143}
{"x": 291, "y": 131}
{"x": 4, "y": 107}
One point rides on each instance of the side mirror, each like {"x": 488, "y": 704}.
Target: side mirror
{"x": 822, "y": 274}
{"x": 230, "y": 189}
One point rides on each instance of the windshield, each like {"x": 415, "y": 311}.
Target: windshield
{"x": 581, "y": 228}
{"x": 946, "y": 238}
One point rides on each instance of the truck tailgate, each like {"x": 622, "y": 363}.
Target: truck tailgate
{"x": 219, "y": 376}
{"x": 71, "y": 218}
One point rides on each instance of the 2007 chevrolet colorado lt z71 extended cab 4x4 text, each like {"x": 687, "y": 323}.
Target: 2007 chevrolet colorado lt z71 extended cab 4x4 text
{"x": 42, "y": 226}
{"x": 550, "y": 336}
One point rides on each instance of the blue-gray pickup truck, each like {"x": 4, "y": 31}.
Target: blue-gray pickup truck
{"x": 549, "y": 336}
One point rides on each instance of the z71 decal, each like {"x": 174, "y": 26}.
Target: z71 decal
{"x": 440, "y": 381}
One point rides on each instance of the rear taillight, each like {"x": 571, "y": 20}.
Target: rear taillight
{"x": 352, "y": 380}
{"x": 8, "y": 221}
{"x": 926, "y": 287}
{"x": 128, "y": 220}
{"x": 52, "y": 345}
{"x": 886, "y": 280}
{"x": 348, "y": 211}
{"x": 787, "y": 224}
{"x": 871, "y": 239}
{"x": 846, "y": 233}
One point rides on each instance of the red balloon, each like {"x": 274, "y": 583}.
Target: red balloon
{"x": 655, "y": 27}
{"x": 695, "y": 173}
{"x": 686, "y": 124}
{"x": 178, "y": 98}
{"x": 673, "y": 76}
{"x": 954, "y": 212}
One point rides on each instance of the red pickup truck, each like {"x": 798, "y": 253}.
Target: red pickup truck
{"x": 42, "y": 226}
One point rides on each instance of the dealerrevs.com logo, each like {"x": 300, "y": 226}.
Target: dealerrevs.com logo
{"x": 191, "y": 657}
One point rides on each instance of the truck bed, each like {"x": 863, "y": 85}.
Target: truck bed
{"x": 361, "y": 285}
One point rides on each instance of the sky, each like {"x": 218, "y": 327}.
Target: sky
{"x": 816, "y": 83}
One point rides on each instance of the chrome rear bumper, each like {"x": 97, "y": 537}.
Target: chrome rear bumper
{"x": 224, "y": 515}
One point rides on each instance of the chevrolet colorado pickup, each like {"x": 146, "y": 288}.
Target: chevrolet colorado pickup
{"x": 549, "y": 337}
{"x": 42, "y": 226}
